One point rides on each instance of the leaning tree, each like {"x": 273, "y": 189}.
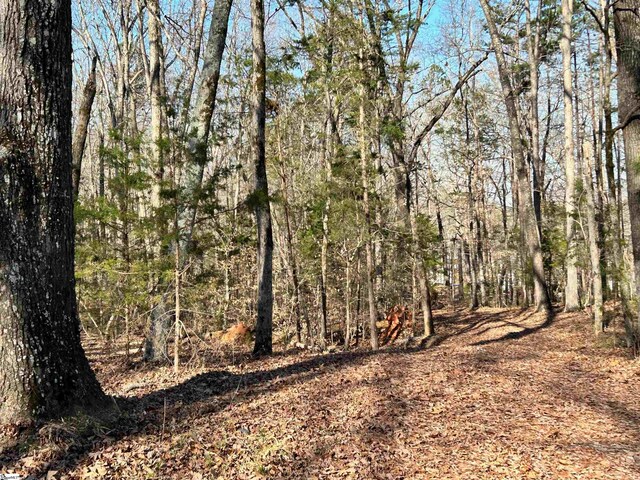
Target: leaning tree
{"x": 44, "y": 372}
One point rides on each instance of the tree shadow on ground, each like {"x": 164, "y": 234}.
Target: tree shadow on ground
{"x": 457, "y": 323}
{"x": 524, "y": 332}
{"x": 386, "y": 408}
{"x": 211, "y": 392}
{"x": 146, "y": 414}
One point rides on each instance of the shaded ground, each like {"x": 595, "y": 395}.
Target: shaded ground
{"x": 500, "y": 394}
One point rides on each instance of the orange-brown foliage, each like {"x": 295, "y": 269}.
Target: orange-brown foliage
{"x": 398, "y": 318}
{"x": 238, "y": 333}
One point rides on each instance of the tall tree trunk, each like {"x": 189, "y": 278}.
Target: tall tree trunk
{"x": 347, "y": 293}
{"x": 264, "y": 304}
{"x": 200, "y": 126}
{"x": 614, "y": 211}
{"x": 533, "y": 51}
{"x": 607, "y": 106}
{"x": 527, "y": 215}
{"x": 324, "y": 249}
{"x": 364, "y": 171}
{"x": 588, "y": 164}
{"x": 328, "y": 156}
{"x": 460, "y": 297}
{"x": 199, "y": 130}
{"x": 470, "y": 251}
{"x": 156, "y": 342}
{"x": 627, "y": 26}
{"x": 572, "y": 301}
{"x": 44, "y": 372}
{"x": 596, "y": 121}
{"x": 82, "y": 125}
{"x": 423, "y": 282}
{"x": 155, "y": 93}
{"x": 594, "y": 247}
{"x": 291, "y": 262}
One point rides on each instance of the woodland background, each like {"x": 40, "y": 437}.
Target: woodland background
{"x": 399, "y": 95}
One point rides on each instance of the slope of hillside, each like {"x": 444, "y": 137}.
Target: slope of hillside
{"x": 499, "y": 394}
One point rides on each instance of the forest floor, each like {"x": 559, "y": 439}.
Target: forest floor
{"x": 500, "y": 394}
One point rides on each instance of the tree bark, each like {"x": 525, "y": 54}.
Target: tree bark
{"x": 607, "y": 106}
{"x": 82, "y": 125}
{"x": 572, "y": 301}
{"x": 421, "y": 272}
{"x": 44, "y": 372}
{"x": 594, "y": 247}
{"x": 347, "y": 303}
{"x": 533, "y": 51}
{"x": 156, "y": 92}
{"x": 156, "y": 343}
{"x": 201, "y": 125}
{"x": 627, "y": 27}
{"x": 263, "y": 343}
{"x": 527, "y": 215}
{"x": 614, "y": 210}
{"x": 364, "y": 172}
{"x": 292, "y": 261}
{"x": 199, "y": 130}
{"x": 327, "y": 154}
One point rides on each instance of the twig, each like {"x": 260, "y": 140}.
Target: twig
{"x": 164, "y": 418}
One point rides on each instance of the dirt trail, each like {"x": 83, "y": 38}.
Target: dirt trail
{"x": 501, "y": 394}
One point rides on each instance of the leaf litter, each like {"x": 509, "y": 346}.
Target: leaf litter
{"x": 500, "y": 394}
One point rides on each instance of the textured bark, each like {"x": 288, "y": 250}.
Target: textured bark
{"x": 264, "y": 304}
{"x": 347, "y": 304}
{"x": 366, "y": 206}
{"x": 193, "y": 74}
{"x": 596, "y": 121}
{"x": 460, "y": 268}
{"x": 155, "y": 92}
{"x": 613, "y": 215}
{"x": 527, "y": 215}
{"x": 594, "y": 247}
{"x": 328, "y": 155}
{"x": 293, "y": 273}
{"x": 43, "y": 369}
{"x": 156, "y": 342}
{"x": 82, "y": 125}
{"x": 199, "y": 130}
{"x": 421, "y": 273}
{"x": 155, "y": 345}
{"x": 533, "y": 51}
{"x": 572, "y": 301}
{"x": 205, "y": 105}
{"x": 627, "y": 26}
{"x": 605, "y": 23}
{"x": 292, "y": 261}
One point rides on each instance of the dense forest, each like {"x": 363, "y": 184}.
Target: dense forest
{"x": 325, "y": 177}
{"x": 413, "y": 153}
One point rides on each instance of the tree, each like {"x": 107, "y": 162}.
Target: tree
{"x": 527, "y": 215}
{"x": 198, "y": 133}
{"x": 260, "y": 199}
{"x": 156, "y": 342}
{"x": 627, "y": 27}
{"x": 571, "y": 290}
{"x": 80, "y": 133}
{"x": 366, "y": 205}
{"x": 370, "y": 141}
{"x": 200, "y": 127}
{"x": 43, "y": 369}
